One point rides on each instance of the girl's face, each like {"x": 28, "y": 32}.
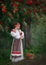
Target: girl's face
{"x": 18, "y": 26}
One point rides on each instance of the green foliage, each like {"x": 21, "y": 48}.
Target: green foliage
{"x": 38, "y": 30}
{"x": 39, "y": 37}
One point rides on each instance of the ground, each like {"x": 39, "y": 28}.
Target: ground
{"x": 30, "y": 62}
{"x": 38, "y": 61}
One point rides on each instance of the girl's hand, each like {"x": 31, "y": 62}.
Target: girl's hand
{"x": 21, "y": 37}
{"x": 21, "y": 33}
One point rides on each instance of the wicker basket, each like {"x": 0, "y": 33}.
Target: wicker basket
{"x": 30, "y": 56}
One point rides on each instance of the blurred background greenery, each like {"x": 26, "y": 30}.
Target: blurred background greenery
{"x": 32, "y": 17}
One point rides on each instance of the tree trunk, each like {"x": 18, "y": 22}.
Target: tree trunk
{"x": 27, "y": 39}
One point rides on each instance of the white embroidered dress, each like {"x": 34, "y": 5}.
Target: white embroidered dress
{"x": 17, "y": 55}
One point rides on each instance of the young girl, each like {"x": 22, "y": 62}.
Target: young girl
{"x": 17, "y": 47}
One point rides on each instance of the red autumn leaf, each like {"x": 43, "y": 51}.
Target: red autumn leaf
{"x": 4, "y": 10}
{"x": 15, "y": 10}
{"x": 20, "y": 0}
{"x": 36, "y": 2}
{"x": 30, "y": 10}
{"x": 29, "y": 2}
{"x": 35, "y": 11}
{"x": 14, "y": 4}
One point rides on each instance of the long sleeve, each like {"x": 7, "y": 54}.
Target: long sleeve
{"x": 16, "y": 34}
{"x": 22, "y": 35}
{"x": 13, "y": 34}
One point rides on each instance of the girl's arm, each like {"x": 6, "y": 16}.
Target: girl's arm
{"x": 22, "y": 35}
{"x": 13, "y": 34}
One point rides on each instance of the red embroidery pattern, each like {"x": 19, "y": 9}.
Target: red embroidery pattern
{"x": 16, "y": 52}
{"x": 13, "y": 30}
